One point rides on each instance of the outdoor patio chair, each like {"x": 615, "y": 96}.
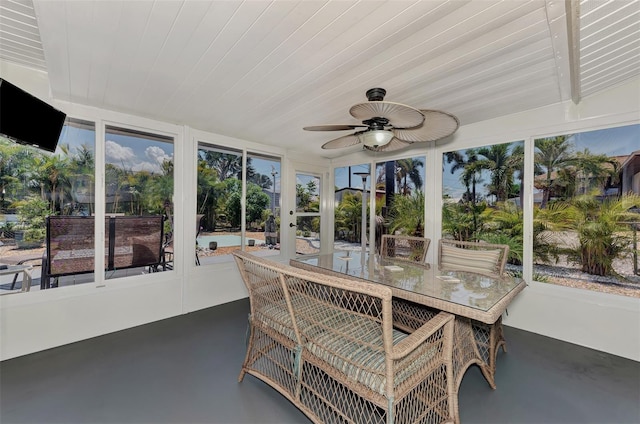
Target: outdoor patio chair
{"x": 407, "y": 248}
{"x": 34, "y": 260}
{"x": 136, "y": 241}
{"x": 130, "y": 242}
{"x": 478, "y": 257}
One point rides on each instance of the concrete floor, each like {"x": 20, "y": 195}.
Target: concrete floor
{"x": 184, "y": 370}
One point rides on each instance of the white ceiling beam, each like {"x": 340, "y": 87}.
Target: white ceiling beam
{"x": 559, "y": 34}
{"x": 573, "y": 43}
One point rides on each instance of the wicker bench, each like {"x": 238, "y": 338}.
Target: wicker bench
{"x": 329, "y": 346}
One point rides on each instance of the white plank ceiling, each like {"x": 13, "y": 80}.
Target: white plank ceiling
{"x": 261, "y": 70}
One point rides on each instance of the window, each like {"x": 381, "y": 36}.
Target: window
{"x": 219, "y": 204}
{"x": 482, "y": 196}
{"x": 348, "y": 205}
{"x": 400, "y": 196}
{"x": 587, "y": 210}
{"x": 35, "y": 184}
{"x": 138, "y": 183}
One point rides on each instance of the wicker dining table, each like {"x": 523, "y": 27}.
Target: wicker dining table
{"x": 421, "y": 291}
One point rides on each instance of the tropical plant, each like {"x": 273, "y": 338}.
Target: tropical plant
{"x": 348, "y": 214}
{"x": 257, "y": 202}
{"x": 603, "y": 234}
{"x": 595, "y": 170}
{"x": 552, "y": 153}
{"x": 32, "y": 212}
{"x": 306, "y": 197}
{"x": 463, "y": 221}
{"x": 545, "y": 221}
{"x": 406, "y": 215}
{"x": 504, "y": 225}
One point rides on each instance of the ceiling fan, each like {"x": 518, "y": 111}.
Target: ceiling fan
{"x": 390, "y": 126}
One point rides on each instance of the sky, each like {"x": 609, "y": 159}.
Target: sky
{"x": 138, "y": 153}
{"x": 611, "y": 142}
{"x": 341, "y": 176}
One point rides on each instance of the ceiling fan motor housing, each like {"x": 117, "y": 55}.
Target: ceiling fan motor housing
{"x": 376, "y": 94}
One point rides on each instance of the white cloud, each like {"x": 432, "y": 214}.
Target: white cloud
{"x": 125, "y": 156}
{"x": 117, "y": 153}
{"x": 156, "y": 155}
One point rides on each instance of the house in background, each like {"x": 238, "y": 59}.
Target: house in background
{"x": 630, "y": 173}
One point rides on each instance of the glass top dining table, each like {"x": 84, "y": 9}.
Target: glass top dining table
{"x": 475, "y": 296}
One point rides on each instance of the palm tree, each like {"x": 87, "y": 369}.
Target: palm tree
{"x": 516, "y": 163}
{"x": 227, "y": 165}
{"x": 552, "y": 153}
{"x": 348, "y": 215}
{"x": 593, "y": 168}
{"x": 409, "y": 169}
{"x": 468, "y": 163}
{"x": 54, "y": 178}
{"x": 497, "y": 162}
{"x": 207, "y": 194}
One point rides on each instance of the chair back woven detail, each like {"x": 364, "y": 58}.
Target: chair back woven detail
{"x": 329, "y": 345}
{"x": 478, "y": 257}
{"x": 408, "y": 248}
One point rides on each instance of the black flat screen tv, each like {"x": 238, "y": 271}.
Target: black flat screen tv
{"x": 27, "y": 119}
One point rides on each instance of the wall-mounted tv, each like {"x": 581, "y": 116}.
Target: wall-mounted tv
{"x": 27, "y": 119}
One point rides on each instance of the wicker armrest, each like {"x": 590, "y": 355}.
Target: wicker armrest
{"x": 415, "y": 339}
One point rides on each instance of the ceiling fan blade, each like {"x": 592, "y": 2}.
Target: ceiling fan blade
{"x": 394, "y": 144}
{"x": 333, "y": 127}
{"x": 437, "y": 125}
{"x": 399, "y": 115}
{"x": 340, "y": 142}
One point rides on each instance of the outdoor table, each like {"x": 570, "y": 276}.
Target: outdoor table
{"x": 17, "y": 269}
{"x": 420, "y": 291}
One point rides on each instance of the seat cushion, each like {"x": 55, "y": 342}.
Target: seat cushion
{"x": 485, "y": 261}
{"x": 355, "y": 348}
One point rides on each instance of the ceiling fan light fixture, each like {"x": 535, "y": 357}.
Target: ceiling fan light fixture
{"x": 375, "y": 138}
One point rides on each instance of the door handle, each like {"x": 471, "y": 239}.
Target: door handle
{"x": 291, "y": 224}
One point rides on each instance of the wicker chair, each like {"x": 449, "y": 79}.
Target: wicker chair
{"x": 481, "y": 258}
{"x": 328, "y": 345}
{"x": 407, "y": 248}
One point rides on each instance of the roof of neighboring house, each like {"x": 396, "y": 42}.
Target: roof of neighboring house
{"x": 631, "y": 158}
{"x": 623, "y": 161}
